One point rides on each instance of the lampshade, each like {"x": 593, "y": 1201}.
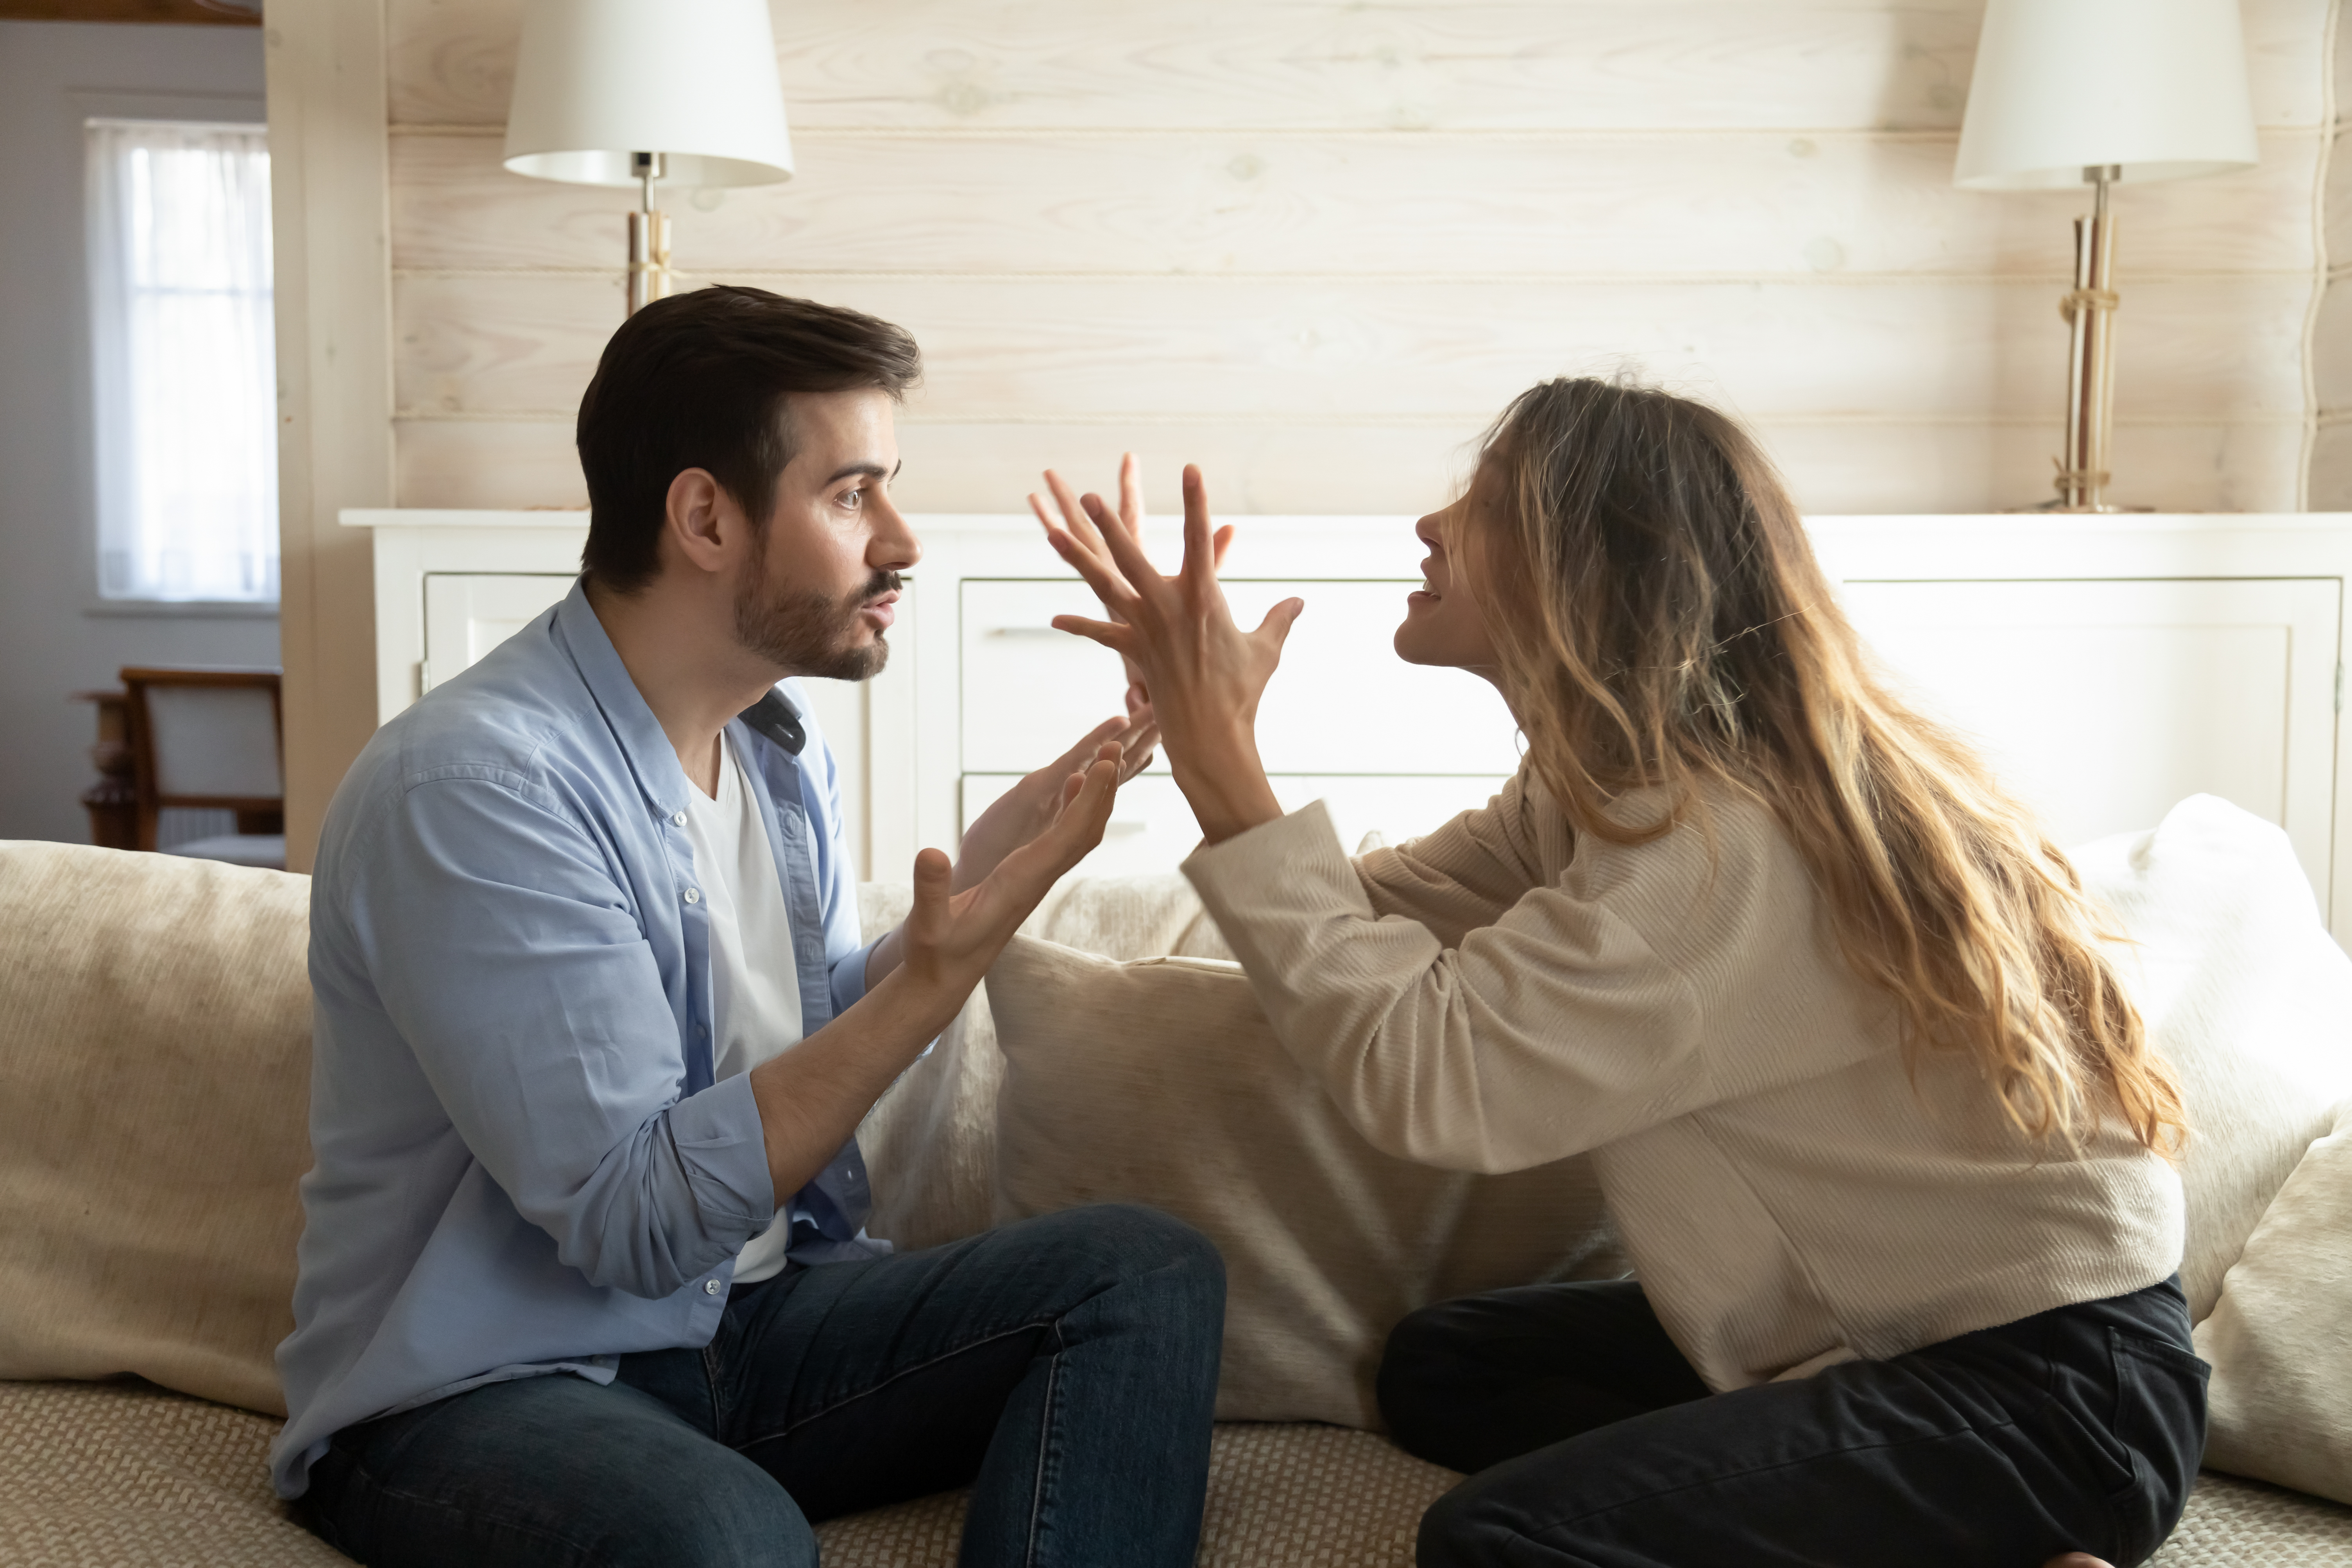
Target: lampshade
{"x": 2156, "y": 85}
{"x": 692, "y": 80}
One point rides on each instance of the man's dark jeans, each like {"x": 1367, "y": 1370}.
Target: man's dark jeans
{"x": 1065, "y": 1367}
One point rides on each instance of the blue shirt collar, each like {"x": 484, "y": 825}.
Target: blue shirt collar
{"x": 652, "y": 759}
{"x": 652, "y": 762}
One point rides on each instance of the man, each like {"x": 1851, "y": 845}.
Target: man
{"x": 584, "y": 1278}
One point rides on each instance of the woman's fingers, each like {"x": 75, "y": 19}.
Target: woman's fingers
{"x": 1131, "y": 491}
{"x": 1125, "y": 549}
{"x": 1199, "y": 568}
{"x": 1116, "y": 636}
{"x": 1279, "y": 622}
{"x": 1114, "y": 590}
{"x": 1067, "y": 497}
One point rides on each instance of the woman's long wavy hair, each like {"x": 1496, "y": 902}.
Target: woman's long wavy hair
{"x": 1661, "y": 621}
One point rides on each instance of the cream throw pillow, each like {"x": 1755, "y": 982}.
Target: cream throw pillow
{"x": 1161, "y": 1082}
{"x": 154, "y": 1100}
{"x": 2245, "y": 993}
{"x": 2281, "y": 1337}
{"x": 930, "y": 1141}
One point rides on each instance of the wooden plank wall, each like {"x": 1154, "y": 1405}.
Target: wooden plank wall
{"x": 1316, "y": 245}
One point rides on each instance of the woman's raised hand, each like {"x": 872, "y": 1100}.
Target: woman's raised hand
{"x": 1130, "y": 512}
{"x": 1203, "y": 673}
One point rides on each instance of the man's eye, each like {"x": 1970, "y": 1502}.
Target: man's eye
{"x": 854, "y": 498}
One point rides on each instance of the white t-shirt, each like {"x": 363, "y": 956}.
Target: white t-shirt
{"x": 755, "y": 985}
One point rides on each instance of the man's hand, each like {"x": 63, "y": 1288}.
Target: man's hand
{"x": 951, "y": 938}
{"x": 813, "y": 1096}
{"x": 1031, "y": 827}
{"x": 1204, "y": 673}
{"x": 1031, "y": 806}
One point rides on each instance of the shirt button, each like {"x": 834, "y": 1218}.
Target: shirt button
{"x": 711, "y": 1287}
{"x": 679, "y": 819}
{"x": 694, "y": 895}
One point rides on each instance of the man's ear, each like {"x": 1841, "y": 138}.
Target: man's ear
{"x": 701, "y": 522}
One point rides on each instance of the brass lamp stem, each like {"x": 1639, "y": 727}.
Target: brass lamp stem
{"x": 2090, "y": 310}
{"x": 649, "y": 274}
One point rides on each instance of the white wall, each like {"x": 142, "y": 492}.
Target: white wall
{"x": 51, "y": 644}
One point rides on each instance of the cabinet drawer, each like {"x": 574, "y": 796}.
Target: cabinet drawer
{"x": 1151, "y": 827}
{"x": 1342, "y": 703}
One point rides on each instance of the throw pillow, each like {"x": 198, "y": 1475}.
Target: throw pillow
{"x": 1160, "y": 1081}
{"x": 2245, "y": 993}
{"x": 930, "y": 1141}
{"x": 154, "y": 1100}
{"x": 2280, "y": 1339}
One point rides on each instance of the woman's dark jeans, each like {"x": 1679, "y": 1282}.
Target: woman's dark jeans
{"x": 1065, "y": 1367}
{"x": 1595, "y": 1445}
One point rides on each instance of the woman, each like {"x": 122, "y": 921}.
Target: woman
{"x": 1881, "y": 1130}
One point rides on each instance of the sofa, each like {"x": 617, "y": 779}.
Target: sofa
{"x": 154, "y": 1034}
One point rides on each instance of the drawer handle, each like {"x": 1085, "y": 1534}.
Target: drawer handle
{"x": 1028, "y": 632}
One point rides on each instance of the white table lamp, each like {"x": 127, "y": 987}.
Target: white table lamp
{"x": 2098, "y": 92}
{"x": 645, "y": 93}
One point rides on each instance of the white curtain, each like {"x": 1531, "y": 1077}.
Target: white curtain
{"x": 184, "y": 360}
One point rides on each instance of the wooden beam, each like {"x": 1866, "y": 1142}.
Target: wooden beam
{"x": 189, "y": 11}
{"x": 327, "y": 153}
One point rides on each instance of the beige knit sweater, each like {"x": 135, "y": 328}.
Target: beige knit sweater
{"x": 1499, "y": 995}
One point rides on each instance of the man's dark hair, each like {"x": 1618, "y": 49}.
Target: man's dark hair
{"x": 698, "y": 381}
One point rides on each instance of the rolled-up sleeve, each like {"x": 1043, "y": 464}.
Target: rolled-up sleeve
{"x": 507, "y": 952}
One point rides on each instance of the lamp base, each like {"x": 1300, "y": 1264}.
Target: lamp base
{"x": 649, "y": 273}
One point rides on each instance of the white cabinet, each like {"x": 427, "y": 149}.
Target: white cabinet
{"x": 466, "y": 614}
{"x": 2107, "y": 667}
{"x": 2102, "y": 703}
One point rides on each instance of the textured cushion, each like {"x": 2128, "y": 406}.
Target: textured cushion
{"x": 1161, "y": 1082}
{"x": 121, "y": 1475}
{"x": 930, "y": 1142}
{"x": 154, "y": 1088}
{"x": 2243, "y": 991}
{"x": 2281, "y": 1337}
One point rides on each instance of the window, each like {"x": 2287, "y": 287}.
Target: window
{"x": 183, "y": 360}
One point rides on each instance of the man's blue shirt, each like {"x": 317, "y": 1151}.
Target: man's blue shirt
{"x": 522, "y": 1164}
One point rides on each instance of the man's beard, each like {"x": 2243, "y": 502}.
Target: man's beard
{"x": 809, "y": 634}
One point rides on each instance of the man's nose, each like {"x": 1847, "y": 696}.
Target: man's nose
{"x": 893, "y": 547}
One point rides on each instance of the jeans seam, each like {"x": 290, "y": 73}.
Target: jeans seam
{"x": 843, "y": 1404}
{"x": 1045, "y": 1448}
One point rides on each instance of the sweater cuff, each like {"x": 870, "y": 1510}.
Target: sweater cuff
{"x": 1291, "y": 866}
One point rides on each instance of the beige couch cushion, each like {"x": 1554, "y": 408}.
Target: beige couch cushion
{"x": 1160, "y": 1081}
{"x": 155, "y": 1093}
{"x": 930, "y": 1142}
{"x": 2281, "y": 1337}
{"x": 2244, "y": 991}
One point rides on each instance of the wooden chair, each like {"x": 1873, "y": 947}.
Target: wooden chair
{"x": 210, "y": 739}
